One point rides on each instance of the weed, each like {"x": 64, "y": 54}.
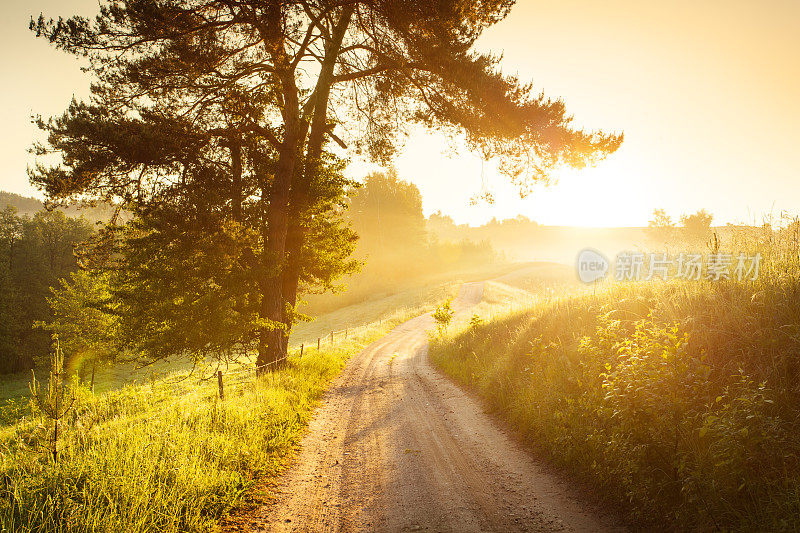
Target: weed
{"x": 678, "y": 399}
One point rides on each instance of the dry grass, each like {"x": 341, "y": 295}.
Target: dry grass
{"x": 678, "y": 399}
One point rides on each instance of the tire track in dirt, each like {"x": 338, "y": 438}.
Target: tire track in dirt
{"x": 396, "y": 446}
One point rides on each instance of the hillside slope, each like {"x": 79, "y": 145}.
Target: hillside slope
{"x": 678, "y": 400}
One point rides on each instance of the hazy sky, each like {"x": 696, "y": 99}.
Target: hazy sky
{"x": 707, "y": 93}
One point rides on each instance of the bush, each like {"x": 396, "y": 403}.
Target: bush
{"x": 678, "y": 399}
{"x": 443, "y": 314}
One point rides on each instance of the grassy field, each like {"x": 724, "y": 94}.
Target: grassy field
{"x": 166, "y": 456}
{"x": 383, "y": 307}
{"x": 677, "y": 400}
{"x": 377, "y": 292}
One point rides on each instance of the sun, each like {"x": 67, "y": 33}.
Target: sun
{"x": 613, "y": 193}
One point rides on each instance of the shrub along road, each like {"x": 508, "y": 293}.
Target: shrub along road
{"x": 395, "y": 446}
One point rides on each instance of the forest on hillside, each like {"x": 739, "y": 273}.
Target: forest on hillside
{"x": 45, "y": 291}
{"x": 35, "y": 252}
{"x": 26, "y": 205}
{"x": 397, "y": 247}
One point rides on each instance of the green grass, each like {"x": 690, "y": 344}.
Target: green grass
{"x": 677, "y": 400}
{"x": 420, "y": 297}
{"x": 401, "y": 288}
{"x": 166, "y": 456}
{"x": 382, "y": 307}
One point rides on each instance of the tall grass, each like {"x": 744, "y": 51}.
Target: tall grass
{"x": 165, "y": 456}
{"x": 14, "y": 387}
{"x": 679, "y": 399}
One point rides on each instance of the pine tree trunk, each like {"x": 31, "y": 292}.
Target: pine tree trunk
{"x": 295, "y": 240}
{"x": 271, "y": 353}
{"x": 272, "y": 346}
{"x": 301, "y": 192}
{"x": 286, "y": 231}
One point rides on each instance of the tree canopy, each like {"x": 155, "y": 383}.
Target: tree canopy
{"x": 387, "y": 215}
{"x": 34, "y": 253}
{"x": 230, "y": 107}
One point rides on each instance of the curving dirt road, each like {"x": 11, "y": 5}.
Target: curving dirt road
{"x": 395, "y": 446}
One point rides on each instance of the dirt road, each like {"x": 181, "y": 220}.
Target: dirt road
{"x": 395, "y": 446}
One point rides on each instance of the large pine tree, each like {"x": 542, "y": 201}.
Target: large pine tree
{"x": 228, "y": 106}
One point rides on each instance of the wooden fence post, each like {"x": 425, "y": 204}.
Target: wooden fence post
{"x": 219, "y": 382}
{"x": 301, "y": 350}
{"x": 317, "y": 343}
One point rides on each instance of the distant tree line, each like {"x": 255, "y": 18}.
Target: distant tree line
{"x": 393, "y": 232}
{"x": 503, "y": 234}
{"x": 694, "y": 229}
{"x": 396, "y": 248}
{"x": 25, "y": 205}
{"x": 35, "y": 252}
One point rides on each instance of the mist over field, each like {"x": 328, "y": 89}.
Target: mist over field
{"x": 317, "y": 265}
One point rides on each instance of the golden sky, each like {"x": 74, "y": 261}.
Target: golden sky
{"x": 707, "y": 93}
